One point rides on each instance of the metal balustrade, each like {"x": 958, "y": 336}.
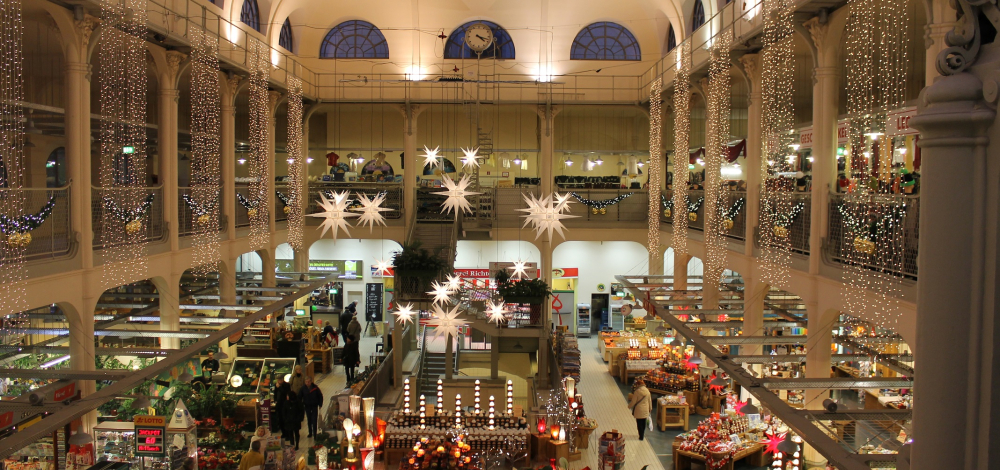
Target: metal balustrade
{"x": 128, "y": 199}
{"x": 52, "y": 238}
{"x": 631, "y": 212}
{"x": 837, "y": 236}
{"x": 242, "y": 216}
{"x": 393, "y": 198}
{"x": 507, "y": 201}
{"x": 798, "y": 230}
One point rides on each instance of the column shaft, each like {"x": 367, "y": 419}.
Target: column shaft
{"x": 228, "y": 144}
{"x": 824, "y": 170}
{"x": 78, "y": 157}
{"x": 167, "y": 134}
{"x": 681, "y": 271}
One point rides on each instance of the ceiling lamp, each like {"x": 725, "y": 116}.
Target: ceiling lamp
{"x": 718, "y": 381}
{"x": 185, "y": 377}
{"x": 599, "y": 161}
{"x": 677, "y": 342}
{"x": 749, "y": 408}
{"x": 568, "y": 161}
{"x": 696, "y": 360}
{"x": 221, "y": 355}
{"x": 640, "y": 163}
{"x": 517, "y": 159}
{"x": 141, "y": 403}
{"x": 80, "y": 439}
{"x": 788, "y": 446}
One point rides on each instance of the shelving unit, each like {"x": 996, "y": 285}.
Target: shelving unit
{"x": 583, "y": 320}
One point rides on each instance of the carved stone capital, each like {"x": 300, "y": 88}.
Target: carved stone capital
{"x": 273, "y": 98}
{"x": 231, "y": 84}
{"x": 174, "y": 61}
{"x": 817, "y": 31}
{"x": 86, "y": 27}
{"x": 751, "y": 64}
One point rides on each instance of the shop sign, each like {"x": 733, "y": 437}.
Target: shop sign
{"x": 474, "y": 273}
{"x": 389, "y": 272}
{"x": 562, "y": 273}
{"x": 898, "y": 122}
{"x": 150, "y": 432}
{"x": 843, "y": 132}
{"x": 64, "y": 393}
{"x": 530, "y": 268}
{"x": 806, "y": 138}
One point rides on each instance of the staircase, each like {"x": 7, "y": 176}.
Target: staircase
{"x": 436, "y": 237}
{"x": 433, "y": 368}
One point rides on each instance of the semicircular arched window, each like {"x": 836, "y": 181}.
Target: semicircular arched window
{"x": 671, "y": 39}
{"x": 285, "y": 37}
{"x": 605, "y": 41}
{"x": 250, "y": 14}
{"x": 502, "y": 47}
{"x": 698, "y": 17}
{"x": 354, "y": 39}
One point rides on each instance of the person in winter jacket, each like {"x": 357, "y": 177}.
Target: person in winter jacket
{"x": 312, "y": 400}
{"x": 354, "y": 328}
{"x": 351, "y": 357}
{"x": 345, "y": 319}
{"x": 640, "y": 402}
{"x": 281, "y": 390}
{"x": 298, "y": 379}
{"x": 291, "y": 418}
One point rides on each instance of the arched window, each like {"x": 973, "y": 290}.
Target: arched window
{"x": 698, "y": 17}
{"x": 285, "y": 37}
{"x": 502, "y": 47}
{"x": 671, "y": 39}
{"x": 55, "y": 169}
{"x": 354, "y": 39}
{"x": 250, "y": 15}
{"x": 605, "y": 41}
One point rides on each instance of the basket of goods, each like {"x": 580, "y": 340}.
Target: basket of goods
{"x": 612, "y": 450}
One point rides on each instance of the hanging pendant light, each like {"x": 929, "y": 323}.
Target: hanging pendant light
{"x": 788, "y": 446}
{"x": 718, "y": 381}
{"x": 749, "y": 408}
{"x": 141, "y": 403}
{"x": 696, "y": 360}
{"x": 568, "y": 161}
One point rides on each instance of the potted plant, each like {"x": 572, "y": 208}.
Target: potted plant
{"x": 525, "y": 291}
{"x": 416, "y": 267}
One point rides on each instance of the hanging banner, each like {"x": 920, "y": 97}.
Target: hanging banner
{"x": 898, "y": 122}
{"x": 806, "y": 138}
{"x": 843, "y": 132}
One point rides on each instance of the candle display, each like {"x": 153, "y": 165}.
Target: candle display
{"x": 510, "y": 397}
{"x": 406, "y": 395}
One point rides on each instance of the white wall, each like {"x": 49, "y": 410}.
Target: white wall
{"x": 599, "y": 263}
{"x": 695, "y": 265}
{"x": 480, "y": 253}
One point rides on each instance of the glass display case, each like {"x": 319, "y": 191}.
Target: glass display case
{"x": 115, "y": 442}
{"x": 182, "y": 439}
{"x": 275, "y": 367}
{"x": 245, "y": 375}
{"x": 37, "y": 456}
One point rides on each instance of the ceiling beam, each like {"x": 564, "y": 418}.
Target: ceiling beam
{"x": 842, "y": 383}
{"x": 103, "y": 374}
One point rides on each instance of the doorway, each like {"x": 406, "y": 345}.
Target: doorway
{"x": 600, "y": 315}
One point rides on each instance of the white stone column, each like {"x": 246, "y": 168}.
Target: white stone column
{"x": 167, "y": 136}
{"x": 230, "y": 86}
{"x": 751, "y": 65}
{"x": 273, "y": 100}
{"x": 78, "y": 153}
{"x": 681, "y": 271}
{"x": 546, "y": 151}
{"x": 412, "y": 168}
{"x": 956, "y": 400}
{"x": 170, "y": 312}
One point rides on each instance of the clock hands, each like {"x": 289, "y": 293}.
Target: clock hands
{"x": 480, "y": 37}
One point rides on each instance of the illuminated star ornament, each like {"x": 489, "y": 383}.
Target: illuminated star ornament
{"x": 562, "y": 201}
{"x": 456, "y": 193}
{"x": 739, "y": 406}
{"x": 496, "y": 312}
{"x": 335, "y": 213}
{"x": 371, "y": 210}
{"x": 381, "y": 267}
{"x": 441, "y": 292}
{"x": 772, "y": 441}
{"x": 446, "y": 323}
{"x": 454, "y": 282}
{"x": 404, "y": 314}
{"x": 470, "y": 158}
{"x": 431, "y": 156}
{"x": 519, "y": 269}
{"x": 545, "y": 215}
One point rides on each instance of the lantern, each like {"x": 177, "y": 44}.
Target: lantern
{"x": 555, "y": 432}
{"x": 541, "y": 425}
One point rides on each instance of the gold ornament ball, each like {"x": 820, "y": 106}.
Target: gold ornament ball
{"x": 252, "y": 213}
{"x": 728, "y": 223}
{"x": 667, "y": 212}
{"x": 593, "y": 210}
{"x": 604, "y": 210}
{"x": 287, "y": 209}
{"x": 14, "y": 239}
{"x": 25, "y": 239}
{"x": 203, "y": 219}
{"x": 693, "y": 216}
{"x": 780, "y": 232}
{"x": 133, "y": 227}
{"x": 864, "y": 246}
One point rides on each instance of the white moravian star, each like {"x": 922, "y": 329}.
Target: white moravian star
{"x": 431, "y": 156}
{"x": 371, "y": 210}
{"x": 470, "y": 158}
{"x": 519, "y": 269}
{"x": 382, "y": 267}
{"x": 441, "y": 292}
{"x": 454, "y": 282}
{"x": 456, "y": 193}
{"x": 334, "y": 213}
{"x": 562, "y": 201}
{"x": 545, "y": 215}
{"x": 496, "y": 312}
{"x": 446, "y": 323}
{"x": 404, "y": 314}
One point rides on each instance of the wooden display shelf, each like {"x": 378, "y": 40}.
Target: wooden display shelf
{"x": 666, "y": 420}
{"x": 754, "y": 455}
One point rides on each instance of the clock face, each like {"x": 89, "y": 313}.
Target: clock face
{"x": 478, "y": 37}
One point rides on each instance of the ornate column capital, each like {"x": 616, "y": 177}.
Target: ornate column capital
{"x": 817, "y": 31}
{"x": 273, "y": 98}
{"x": 751, "y": 64}
{"x": 174, "y": 61}
{"x": 85, "y": 28}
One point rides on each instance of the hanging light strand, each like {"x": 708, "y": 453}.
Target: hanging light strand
{"x": 777, "y": 121}
{"x": 682, "y": 138}
{"x": 122, "y": 78}
{"x": 655, "y": 180}
{"x": 719, "y": 104}
{"x": 205, "y": 145}
{"x": 295, "y": 167}
{"x": 12, "y": 204}
{"x": 259, "y": 153}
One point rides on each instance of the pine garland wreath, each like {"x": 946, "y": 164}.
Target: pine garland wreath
{"x": 693, "y": 208}
{"x": 864, "y": 235}
{"x": 730, "y": 214}
{"x": 131, "y": 218}
{"x": 600, "y": 206}
{"x": 17, "y": 228}
{"x": 248, "y": 204}
{"x": 200, "y": 211}
{"x": 781, "y": 221}
{"x": 284, "y": 198}
{"x": 668, "y": 206}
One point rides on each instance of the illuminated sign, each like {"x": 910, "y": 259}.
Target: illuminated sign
{"x": 149, "y": 435}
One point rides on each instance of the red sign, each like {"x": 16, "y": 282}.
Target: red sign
{"x": 565, "y": 272}
{"x": 806, "y": 138}
{"x": 474, "y": 273}
{"x": 843, "y": 131}
{"x": 6, "y": 419}
{"x": 898, "y": 122}
{"x": 64, "y": 393}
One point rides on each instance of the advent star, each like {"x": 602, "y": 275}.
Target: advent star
{"x": 456, "y": 193}
{"x": 335, "y": 213}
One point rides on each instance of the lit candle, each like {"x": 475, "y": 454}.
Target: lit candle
{"x": 440, "y": 397}
{"x": 510, "y": 397}
{"x": 406, "y": 395}
{"x": 491, "y": 413}
{"x": 458, "y": 411}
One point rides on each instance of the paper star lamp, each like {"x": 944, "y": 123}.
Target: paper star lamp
{"x": 441, "y": 293}
{"x": 496, "y": 312}
{"x": 335, "y": 213}
{"x": 470, "y": 158}
{"x": 454, "y": 282}
{"x": 456, "y": 193}
{"x": 382, "y": 267}
{"x": 446, "y": 323}
{"x": 404, "y": 314}
{"x": 562, "y": 201}
{"x": 519, "y": 269}
{"x": 772, "y": 441}
{"x": 431, "y": 156}
{"x": 546, "y": 216}
{"x": 371, "y": 210}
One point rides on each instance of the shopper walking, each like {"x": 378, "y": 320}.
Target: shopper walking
{"x": 281, "y": 390}
{"x": 291, "y": 419}
{"x": 253, "y": 459}
{"x": 312, "y": 401}
{"x": 351, "y": 357}
{"x": 354, "y": 328}
{"x": 298, "y": 379}
{"x": 345, "y": 319}
{"x": 640, "y": 403}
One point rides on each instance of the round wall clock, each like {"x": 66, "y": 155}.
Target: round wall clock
{"x": 478, "y": 37}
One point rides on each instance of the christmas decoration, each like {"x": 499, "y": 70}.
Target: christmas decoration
{"x": 440, "y": 292}
{"x": 545, "y": 215}
{"x": 470, "y": 159}
{"x": 334, "y": 213}
{"x": 126, "y": 216}
{"x": 296, "y": 166}
{"x": 371, "y": 210}
{"x": 382, "y": 267}
{"x": 655, "y": 172}
{"x": 730, "y": 214}
{"x": 26, "y": 223}
{"x": 682, "y": 137}
{"x": 496, "y": 312}
{"x": 404, "y": 314}
{"x": 456, "y": 193}
{"x": 259, "y": 64}
{"x": 446, "y": 323}
{"x": 205, "y": 142}
{"x": 600, "y": 206}
{"x": 519, "y": 269}
{"x": 431, "y": 157}
{"x": 15, "y": 220}
{"x": 716, "y": 149}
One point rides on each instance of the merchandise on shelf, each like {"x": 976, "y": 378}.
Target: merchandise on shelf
{"x": 444, "y": 454}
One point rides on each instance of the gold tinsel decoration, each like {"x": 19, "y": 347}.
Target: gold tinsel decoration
{"x": 682, "y": 138}
{"x": 13, "y": 202}
{"x": 205, "y": 144}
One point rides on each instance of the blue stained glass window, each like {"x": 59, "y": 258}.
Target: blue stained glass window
{"x": 285, "y": 38}
{"x": 698, "y": 17}
{"x": 354, "y": 39}
{"x": 605, "y": 41}
{"x": 250, "y": 14}
{"x": 502, "y": 47}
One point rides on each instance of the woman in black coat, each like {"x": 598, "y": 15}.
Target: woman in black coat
{"x": 291, "y": 418}
{"x": 351, "y": 357}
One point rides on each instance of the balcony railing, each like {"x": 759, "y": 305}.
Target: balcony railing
{"x": 393, "y": 198}
{"x": 186, "y": 220}
{"x": 798, "y": 230}
{"x": 129, "y": 200}
{"x": 730, "y": 201}
{"x": 242, "y": 216}
{"x": 630, "y": 212}
{"x": 898, "y": 260}
{"x": 52, "y": 238}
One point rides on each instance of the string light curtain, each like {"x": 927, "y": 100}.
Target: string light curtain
{"x": 205, "y": 138}
{"x": 682, "y": 137}
{"x": 12, "y": 204}
{"x": 294, "y": 146}
{"x": 122, "y": 170}
{"x": 260, "y": 232}
{"x": 655, "y": 163}
{"x": 873, "y": 245}
{"x": 777, "y": 120}
{"x": 716, "y": 149}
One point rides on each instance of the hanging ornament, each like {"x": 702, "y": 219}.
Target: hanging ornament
{"x": 456, "y": 193}
{"x": 382, "y": 267}
{"x": 371, "y": 210}
{"x": 544, "y": 215}
{"x": 17, "y": 228}
{"x": 682, "y": 136}
{"x": 496, "y": 312}
{"x": 431, "y": 157}
{"x": 334, "y": 213}
{"x": 404, "y": 314}
{"x": 205, "y": 142}
{"x": 296, "y": 166}
{"x": 470, "y": 159}
{"x": 446, "y": 323}
{"x": 520, "y": 269}
{"x": 454, "y": 283}
{"x": 260, "y": 125}
{"x": 440, "y": 292}
{"x": 655, "y": 179}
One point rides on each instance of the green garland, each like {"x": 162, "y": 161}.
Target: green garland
{"x": 126, "y": 216}
{"x": 875, "y": 228}
{"x": 734, "y": 210}
{"x": 29, "y": 222}
{"x": 199, "y": 209}
{"x": 693, "y": 207}
{"x": 246, "y": 203}
{"x": 600, "y": 204}
{"x": 784, "y": 220}
{"x": 666, "y": 203}
{"x": 284, "y": 198}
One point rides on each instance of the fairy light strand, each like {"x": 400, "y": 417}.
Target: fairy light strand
{"x": 293, "y": 201}
{"x": 655, "y": 163}
{"x": 260, "y": 232}
{"x": 777, "y": 76}
{"x": 122, "y": 79}
{"x": 682, "y": 138}
{"x": 205, "y": 148}
{"x": 719, "y": 104}
{"x": 13, "y": 202}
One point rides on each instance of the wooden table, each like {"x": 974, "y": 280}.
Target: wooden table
{"x": 582, "y": 437}
{"x": 754, "y": 456}
{"x": 625, "y": 372}
{"x": 682, "y": 412}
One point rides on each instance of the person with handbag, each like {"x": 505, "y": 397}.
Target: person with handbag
{"x": 640, "y": 403}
